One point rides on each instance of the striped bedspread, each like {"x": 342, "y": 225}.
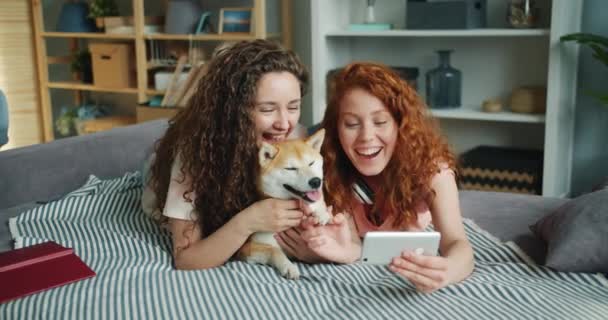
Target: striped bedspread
{"x": 135, "y": 278}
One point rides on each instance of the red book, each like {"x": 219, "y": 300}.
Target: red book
{"x": 39, "y": 267}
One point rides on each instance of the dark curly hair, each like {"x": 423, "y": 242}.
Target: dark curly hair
{"x": 214, "y": 135}
{"x": 419, "y": 149}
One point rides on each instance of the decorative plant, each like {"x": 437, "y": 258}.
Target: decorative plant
{"x": 81, "y": 65}
{"x": 71, "y": 118}
{"x": 599, "y": 45}
{"x": 80, "y": 60}
{"x": 102, "y": 8}
{"x": 65, "y": 122}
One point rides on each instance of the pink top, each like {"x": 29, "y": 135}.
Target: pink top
{"x": 360, "y": 215}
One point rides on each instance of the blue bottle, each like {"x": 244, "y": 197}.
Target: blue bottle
{"x": 443, "y": 84}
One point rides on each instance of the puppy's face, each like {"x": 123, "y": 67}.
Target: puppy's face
{"x": 292, "y": 169}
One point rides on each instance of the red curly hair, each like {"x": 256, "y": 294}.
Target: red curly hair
{"x": 419, "y": 152}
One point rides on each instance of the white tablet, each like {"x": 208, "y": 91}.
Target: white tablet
{"x": 380, "y": 247}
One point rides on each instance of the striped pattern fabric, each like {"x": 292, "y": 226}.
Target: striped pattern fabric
{"x": 135, "y": 279}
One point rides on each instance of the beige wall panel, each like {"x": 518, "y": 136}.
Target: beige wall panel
{"x": 18, "y": 73}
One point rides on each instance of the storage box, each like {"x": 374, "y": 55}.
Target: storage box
{"x": 102, "y": 124}
{"x": 447, "y": 14}
{"x": 162, "y": 79}
{"x": 113, "y": 65}
{"x": 146, "y": 113}
{"x": 502, "y": 169}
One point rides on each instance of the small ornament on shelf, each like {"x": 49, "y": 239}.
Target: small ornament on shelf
{"x": 492, "y": 105}
{"x": 522, "y": 13}
{"x": 369, "y": 23}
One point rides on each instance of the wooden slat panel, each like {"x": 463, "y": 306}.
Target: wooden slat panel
{"x": 18, "y": 76}
{"x": 14, "y": 10}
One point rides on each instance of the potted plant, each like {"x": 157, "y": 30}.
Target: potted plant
{"x": 102, "y": 8}
{"x": 599, "y": 45}
{"x": 81, "y": 66}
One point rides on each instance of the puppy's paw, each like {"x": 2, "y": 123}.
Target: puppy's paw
{"x": 290, "y": 271}
{"x": 323, "y": 216}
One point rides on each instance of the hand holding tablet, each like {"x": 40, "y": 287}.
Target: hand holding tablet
{"x": 380, "y": 247}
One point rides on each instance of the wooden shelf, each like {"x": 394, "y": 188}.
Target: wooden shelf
{"x": 88, "y": 35}
{"x": 444, "y": 33}
{"x": 209, "y": 37}
{"x": 88, "y": 87}
{"x": 201, "y": 37}
{"x": 154, "y": 92}
{"x": 475, "y": 113}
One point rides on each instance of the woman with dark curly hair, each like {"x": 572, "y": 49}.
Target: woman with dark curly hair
{"x": 379, "y": 141}
{"x": 205, "y": 167}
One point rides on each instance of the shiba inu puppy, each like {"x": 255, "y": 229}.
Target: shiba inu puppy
{"x": 289, "y": 170}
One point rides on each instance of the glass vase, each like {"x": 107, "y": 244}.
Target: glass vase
{"x": 443, "y": 84}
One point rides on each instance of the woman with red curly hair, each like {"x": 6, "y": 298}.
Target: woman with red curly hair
{"x": 379, "y": 138}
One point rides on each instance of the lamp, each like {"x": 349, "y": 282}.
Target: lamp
{"x": 73, "y": 17}
{"x": 182, "y": 16}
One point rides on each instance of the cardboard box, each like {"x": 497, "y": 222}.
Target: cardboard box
{"x": 145, "y": 113}
{"x": 113, "y": 65}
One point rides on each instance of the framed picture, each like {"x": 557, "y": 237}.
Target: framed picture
{"x": 235, "y": 20}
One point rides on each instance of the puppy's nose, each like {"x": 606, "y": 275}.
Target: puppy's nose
{"x": 314, "y": 182}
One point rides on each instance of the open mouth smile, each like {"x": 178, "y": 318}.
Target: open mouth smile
{"x": 309, "y": 196}
{"x": 273, "y": 137}
{"x": 368, "y": 152}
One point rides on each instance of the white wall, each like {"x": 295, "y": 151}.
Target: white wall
{"x": 590, "y": 158}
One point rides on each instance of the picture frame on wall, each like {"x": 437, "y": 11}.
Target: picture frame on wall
{"x": 235, "y": 20}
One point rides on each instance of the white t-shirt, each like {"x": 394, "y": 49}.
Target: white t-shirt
{"x": 176, "y": 206}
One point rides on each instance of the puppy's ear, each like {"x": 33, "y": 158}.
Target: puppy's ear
{"x": 316, "y": 140}
{"x": 267, "y": 153}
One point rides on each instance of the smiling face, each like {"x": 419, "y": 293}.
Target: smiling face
{"x": 292, "y": 169}
{"x": 277, "y": 106}
{"x": 367, "y": 131}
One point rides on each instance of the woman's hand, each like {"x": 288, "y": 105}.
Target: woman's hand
{"x": 272, "y": 215}
{"x": 333, "y": 241}
{"x": 427, "y": 273}
{"x": 292, "y": 242}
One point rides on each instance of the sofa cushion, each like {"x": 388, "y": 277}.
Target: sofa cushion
{"x": 576, "y": 234}
{"x": 45, "y": 172}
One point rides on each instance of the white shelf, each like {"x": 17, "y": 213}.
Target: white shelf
{"x": 494, "y": 61}
{"x": 475, "y": 113}
{"x": 444, "y": 33}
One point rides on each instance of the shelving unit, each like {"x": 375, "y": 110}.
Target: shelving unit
{"x": 493, "y": 61}
{"x": 260, "y": 30}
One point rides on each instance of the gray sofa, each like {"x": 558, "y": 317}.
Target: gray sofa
{"x": 37, "y": 174}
